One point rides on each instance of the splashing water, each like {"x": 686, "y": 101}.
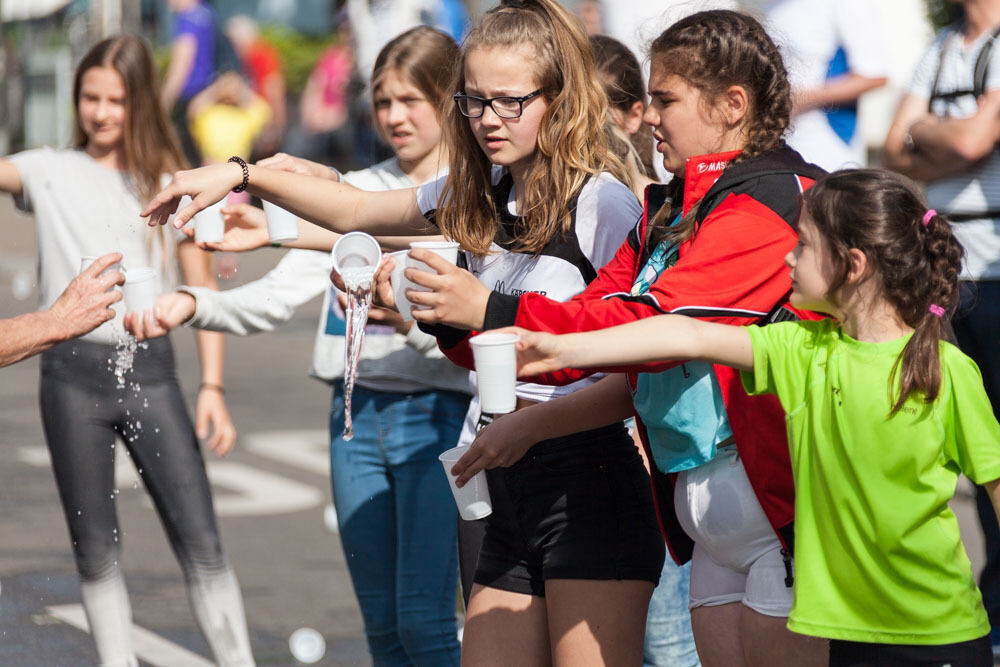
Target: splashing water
{"x": 124, "y": 358}
{"x": 358, "y": 281}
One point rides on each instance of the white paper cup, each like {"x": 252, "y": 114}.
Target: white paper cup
{"x": 209, "y": 227}
{"x": 496, "y": 371}
{"x": 400, "y": 284}
{"x": 87, "y": 260}
{"x": 139, "y": 289}
{"x": 445, "y": 249}
{"x": 473, "y": 499}
{"x": 356, "y": 250}
{"x": 282, "y": 225}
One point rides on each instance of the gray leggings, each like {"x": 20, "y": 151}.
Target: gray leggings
{"x": 82, "y": 410}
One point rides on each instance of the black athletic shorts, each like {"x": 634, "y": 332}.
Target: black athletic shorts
{"x": 578, "y": 507}
{"x": 974, "y": 653}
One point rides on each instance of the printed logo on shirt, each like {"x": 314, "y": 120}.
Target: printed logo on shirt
{"x": 501, "y": 287}
{"x": 718, "y": 165}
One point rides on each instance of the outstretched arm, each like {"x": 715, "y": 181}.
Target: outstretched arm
{"x": 83, "y": 305}
{"x": 335, "y": 206}
{"x": 660, "y": 338}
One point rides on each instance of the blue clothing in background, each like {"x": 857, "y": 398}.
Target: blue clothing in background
{"x": 199, "y": 22}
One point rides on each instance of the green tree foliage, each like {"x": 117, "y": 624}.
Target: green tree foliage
{"x": 298, "y": 54}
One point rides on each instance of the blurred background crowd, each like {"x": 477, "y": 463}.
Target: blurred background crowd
{"x": 252, "y": 77}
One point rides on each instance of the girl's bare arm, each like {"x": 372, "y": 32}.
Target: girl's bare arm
{"x": 666, "y": 337}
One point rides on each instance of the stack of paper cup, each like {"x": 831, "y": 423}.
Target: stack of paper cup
{"x": 139, "y": 289}
{"x": 496, "y": 371}
{"x": 282, "y": 225}
{"x": 209, "y": 227}
{"x": 473, "y": 499}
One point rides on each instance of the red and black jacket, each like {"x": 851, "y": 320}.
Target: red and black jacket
{"x": 731, "y": 270}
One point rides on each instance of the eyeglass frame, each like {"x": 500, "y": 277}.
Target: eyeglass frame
{"x": 488, "y": 102}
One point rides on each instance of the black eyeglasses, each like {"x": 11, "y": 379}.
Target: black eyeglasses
{"x": 505, "y": 106}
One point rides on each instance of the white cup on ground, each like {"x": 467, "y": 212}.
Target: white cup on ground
{"x": 209, "y": 227}
{"x": 445, "y": 249}
{"x": 139, "y": 289}
{"x": 282, "y": 225}
{"x": 496, "y": 371}
{"x": 473, "y": 499}
{"x": 400, "y": 284}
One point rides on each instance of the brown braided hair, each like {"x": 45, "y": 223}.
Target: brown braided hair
{"x": 712, "y": 51}
{"x": 881, "y": 213}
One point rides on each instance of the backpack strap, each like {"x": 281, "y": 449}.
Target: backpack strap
{"x": 979, "y": 72}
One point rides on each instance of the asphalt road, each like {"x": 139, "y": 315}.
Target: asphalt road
{"x": 270, "y": 495}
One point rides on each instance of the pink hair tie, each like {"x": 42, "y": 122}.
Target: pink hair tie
{"x": 936, "y": 310}
{"x": 928, "y": 215}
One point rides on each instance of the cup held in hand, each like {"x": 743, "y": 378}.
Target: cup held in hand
{"x": 356, "y": 250}
{"x": 447, "y": 250}
{"x": 209, "y": 227}
{"x": 282, "y": 225}
{"x": 473, "y": 499}
{"x": 139, "y": 289}
{"x": 496, "y": 371}
{"x": 400, "y": 284}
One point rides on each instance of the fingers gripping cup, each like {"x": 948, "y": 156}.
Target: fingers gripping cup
{"x": 209, "y": 227}
{"x": 496, "y": 371}
{"x": 139, "y": 289}
{"x": 447, "y": 250}
{"x": 87, "y": 260}
{"x": 473, "y": 499}
{"x": 282, "y": 225}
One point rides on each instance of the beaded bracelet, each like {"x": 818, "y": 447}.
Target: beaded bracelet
{"x": 246, "y": 173}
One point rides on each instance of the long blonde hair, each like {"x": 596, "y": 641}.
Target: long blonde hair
{"x": 571, "y": 145}
{"x": 150, "y": 145}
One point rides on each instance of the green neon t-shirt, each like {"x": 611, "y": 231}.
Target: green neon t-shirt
{"x": 878, "y": 557}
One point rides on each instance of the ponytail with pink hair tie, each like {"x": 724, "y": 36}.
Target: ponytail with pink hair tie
{"x": 936, "y": 310}
{"x": 928, "y": 215}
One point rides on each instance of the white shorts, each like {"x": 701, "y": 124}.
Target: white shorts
{"x": 737, "y": 555}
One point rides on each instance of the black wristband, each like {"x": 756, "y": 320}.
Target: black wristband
{"x": 246, "y": 173}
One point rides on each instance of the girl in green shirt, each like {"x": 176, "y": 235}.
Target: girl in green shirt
{"x": 882, "y": 413}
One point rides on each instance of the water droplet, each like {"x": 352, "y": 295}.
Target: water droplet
{"x": 135, "y": 484}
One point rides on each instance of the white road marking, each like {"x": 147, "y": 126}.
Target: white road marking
{"x": 307, "y": 450}
{"x": 149, "y": 646}
{"x": 239, "y": 489}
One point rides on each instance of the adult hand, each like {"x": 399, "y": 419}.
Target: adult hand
{"x": 86, "y": 302}
{"x": 212, "y": 421}
{"x": 501, "y": 444}
{"x": 246, "y": 229}
{"x": 170, "y": 311}
{"x": 297, "y": 165}
{"x": 457, "y": 297}
{"x": 205, "y": 186}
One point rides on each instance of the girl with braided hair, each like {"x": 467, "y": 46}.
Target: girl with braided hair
{"x": 883, "y": 415}
{"x": 710, "y": 245}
